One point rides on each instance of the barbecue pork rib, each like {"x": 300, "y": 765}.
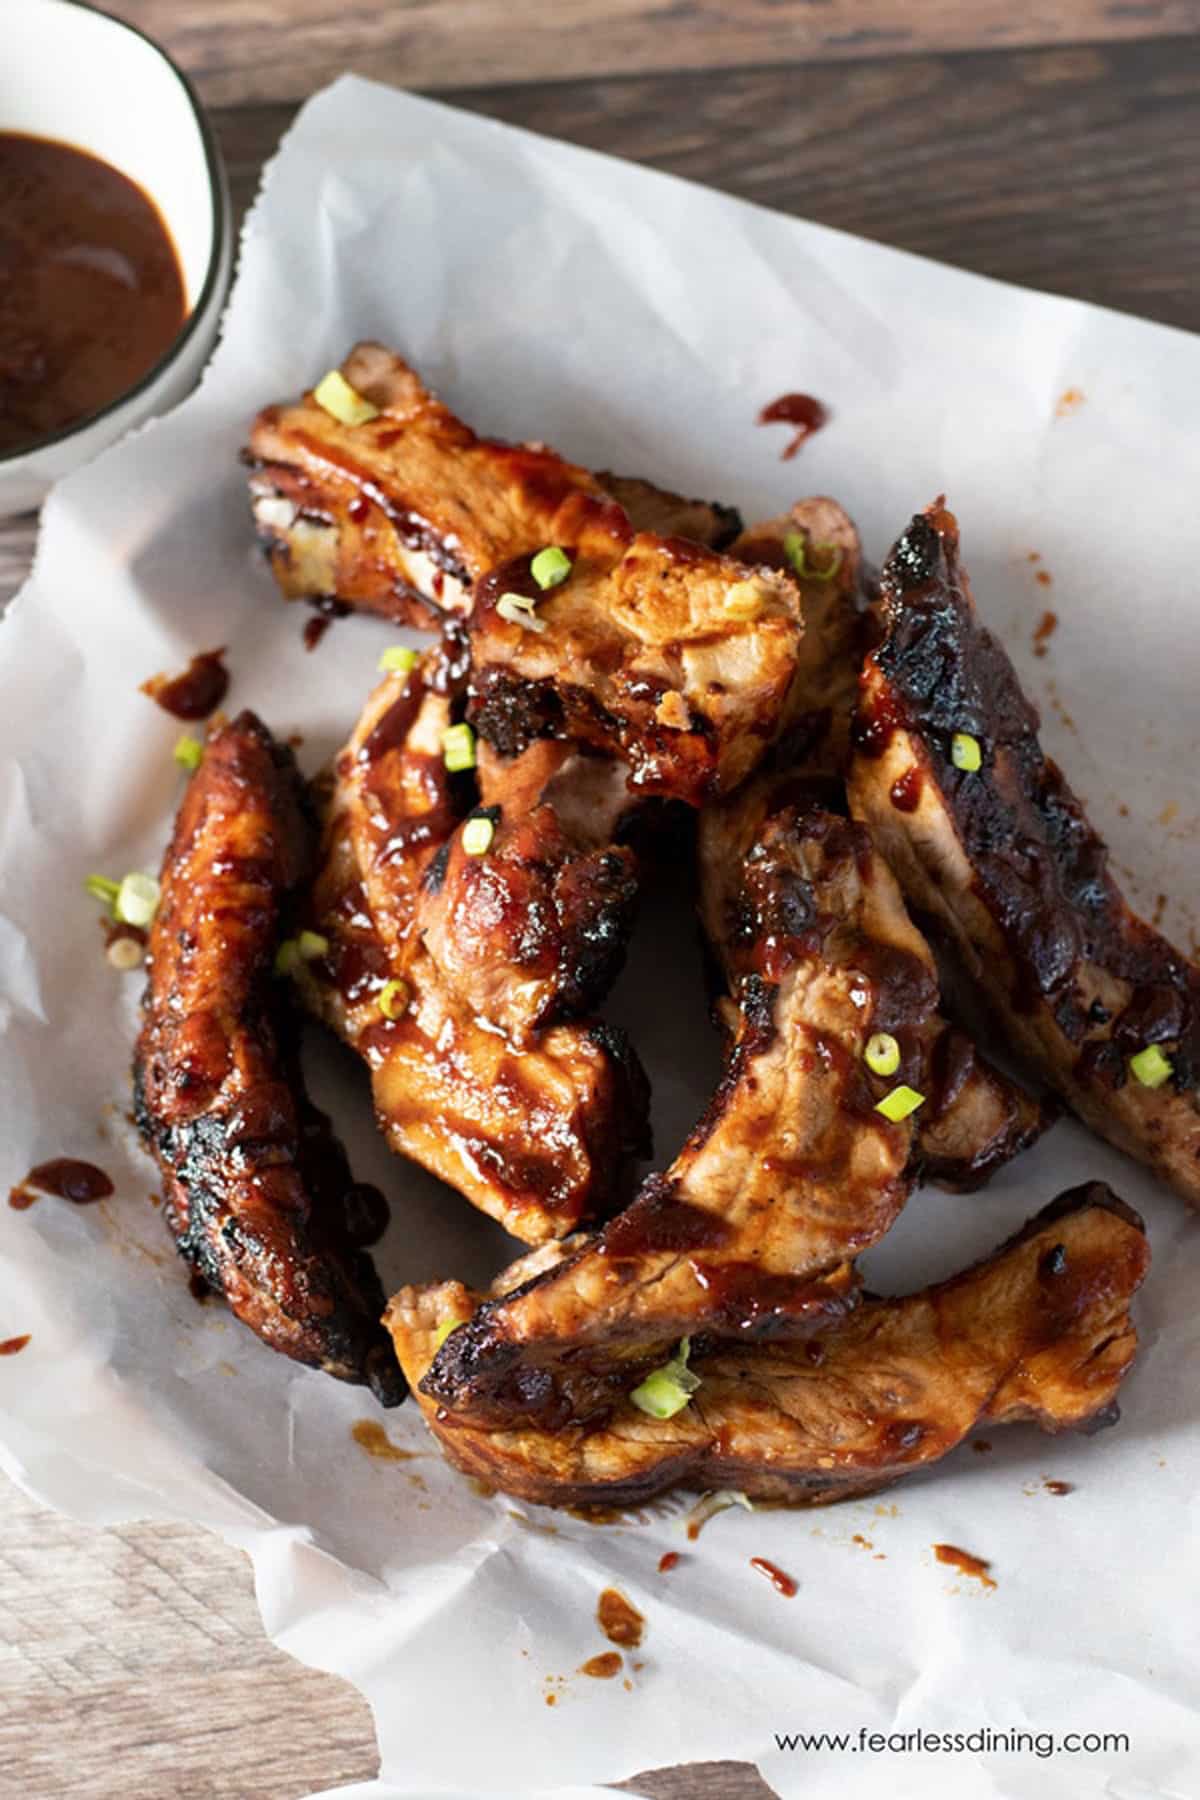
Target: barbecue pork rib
{"x": 534, "y": 1127}
{"x": 817, "y": 544}
{"x": 400, "y": 516}
{"x": 246, "y": 1166}
{"x": 1040, "y": 1331}
{"x": 792, "y": 1171}
{"x": 1003, "y": 856}
{"x": 974, "y": 1120}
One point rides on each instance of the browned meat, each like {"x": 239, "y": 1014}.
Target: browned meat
{"x": 974, "y": 1120}
{"x": 401, "y": 515}
{"x": 534, "y": 1127}
{"x": 789, "y": 1175}
{"x": 245, "y": 1165}
{"x": 651, "y": 508}
{"x": 829, "y": 574}
{"x": 1040, "y": 1331}
{"x": 1005, "y": 858}
{"x": 677, "y": 660}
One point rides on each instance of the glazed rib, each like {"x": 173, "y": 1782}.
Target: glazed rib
{"x": 533, "y": 1126}
{"x": 219, "y": 1100}
{"x": 831, "y": 580}
{"x": 1040, "y": 1331}
{"x": 402, "y": 515}
{"x": 789, "y": 1175}
{"x": 974, "y": 1120}
{"x": 1005, "y": 858}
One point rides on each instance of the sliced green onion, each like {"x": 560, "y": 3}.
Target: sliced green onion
{"x": 519, "y": 609}
{"x": 398, "y": 659}
{"x": 744, "y": 601}
{"x": 188, "y": 752}
{"x": 137, "y": 900}
{"x": 334, "y": 395}
{"x": 550, "y": 567}
{"x": 310, "y": 945}
{"x": 393, "y": 999}
{"x": 1151, "y": 1067}
{"x": 287, "y": 957}
{"x": 882, "y": 1054}
{"x": 102, "y": 889}
{"x": 443, "y": 1331}
{"x": 667, "y": 1390}
{"x": 458, "y": 748}
{"x": 796, "y": 551}
{"x": 125, "y": 953}
{"x": 965, "y": 752}
{"x": 900, "y": 1103}
{"x": 477, "y": 836}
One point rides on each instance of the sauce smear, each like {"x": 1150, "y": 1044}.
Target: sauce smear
{"x": 370, "y": 1436}
{"x": 1047, "y": 626}
{"x": 80, "y": 1182}
{"x": 964, "y": 1562}
{"x": 802, "y": 411}
{"x": 602, "y": 1667}
{"x": 620, "y": 1621}
{"x": 781, "y": 1582}
{"x": 11, "y": 1346}
{"x": 667, "y": 1561}
{"x": 91, "y": 292}
{"x": 197, "y": 692}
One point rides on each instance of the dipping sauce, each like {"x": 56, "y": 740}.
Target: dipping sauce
{"x": 91, "y": 292}
{"x": 66, "y": 1178}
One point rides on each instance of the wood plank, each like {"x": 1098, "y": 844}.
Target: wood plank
{"x": 257, "y": 50}
{"x": 134, "y": 1662}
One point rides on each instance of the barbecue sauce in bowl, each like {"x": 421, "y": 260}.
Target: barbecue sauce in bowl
{"x": 91, "y": 291}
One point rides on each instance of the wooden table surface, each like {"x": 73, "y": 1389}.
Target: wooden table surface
{"x": 1051, "y": 144}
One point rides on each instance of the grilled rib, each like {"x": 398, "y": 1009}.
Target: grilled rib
{"x": 974, "y": 1120}
{"x": 1040, "y": 1331}
{"x": 533, "y": 1126}
{"x": 219, "y": 1100}
{"x": 790, "y": 1174}
{"x": 828, "y": 571}
{"x": 402, "y": 515}
{"x": 1005, "y": 858}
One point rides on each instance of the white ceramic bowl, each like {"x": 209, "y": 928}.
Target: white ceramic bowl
{"x": 70, "y": 72}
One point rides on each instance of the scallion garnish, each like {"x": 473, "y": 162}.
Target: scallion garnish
{"x": 550, "y": 567}
{"x": 310, "y": 945}
{"x": 458, "y": 748}
{"x": 882, "y": 1054}
{"x": 900, "y": 1103}
{"x": 125, "y": 953}
{"x": 477, "y": 836}
{"x": 287, "y": 957}
{"x": 334, "y": 395}
{"x": 796, "y": 551}
{"x": 188, "y": 752}
{"x": 393, "y": 999}
{"x": 102, "y": 889}
{"x": 965, "y": 752}
{"x": 1151, "y": 1066}
{"x": 443, "y": 1332}
{"x": 667, "y": 1390}
{"x": 519, "y": 609}
{"x": 398, "y": 659}
{"x": 137, "y": 900}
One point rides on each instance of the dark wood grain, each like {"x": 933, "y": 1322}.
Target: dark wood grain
{"x": 254, "y": 50}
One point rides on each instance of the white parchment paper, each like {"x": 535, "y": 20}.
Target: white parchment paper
{"x": 637, "y": 323}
